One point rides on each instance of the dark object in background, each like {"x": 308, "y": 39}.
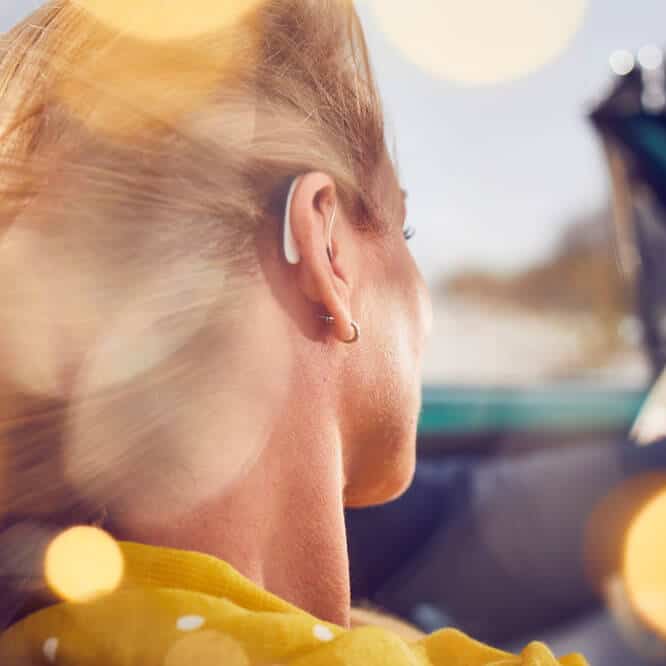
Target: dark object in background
{"x": 489, "y": 544}
{"x": 384, "y": 539}
{"x": 631, "y": 121}
{"x": 493, "y": 544}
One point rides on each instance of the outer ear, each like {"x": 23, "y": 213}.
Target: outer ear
{"x": 311, "y": 203}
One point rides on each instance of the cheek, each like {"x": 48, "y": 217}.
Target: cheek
{"x": 395, "y": 314}
{"x": 387, "y": 409}
{"x": 386, "y": 448}
{"x": 408, "y": 301}
{"x": 418, "y": 306}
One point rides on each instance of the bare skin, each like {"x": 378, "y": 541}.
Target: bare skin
{"x": 338, "y": 426}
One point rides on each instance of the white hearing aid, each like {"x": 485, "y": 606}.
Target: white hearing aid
{"x": 291, "y": 253}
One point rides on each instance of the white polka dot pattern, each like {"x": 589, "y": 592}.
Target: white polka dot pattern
{"x": 50, "y": 649}
{"x": 322, "y": 633}
{"x": 190, "y": 622}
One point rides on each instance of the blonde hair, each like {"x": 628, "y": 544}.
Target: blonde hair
{"x": 166, "y": 157}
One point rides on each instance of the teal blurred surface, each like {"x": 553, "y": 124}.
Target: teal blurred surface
{"x": 566, "y": 408}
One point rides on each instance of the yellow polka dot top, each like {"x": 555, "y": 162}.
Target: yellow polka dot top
{"x": 177, "y": 608}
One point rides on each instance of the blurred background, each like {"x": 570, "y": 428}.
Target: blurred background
{"x": 525, "y": 186}
{"x": 505, "y": 120}
{"x": 508, "y": 186}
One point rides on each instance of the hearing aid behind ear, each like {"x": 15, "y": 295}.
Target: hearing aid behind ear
{"x": 291, "y": 253}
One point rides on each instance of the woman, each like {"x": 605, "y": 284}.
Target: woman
{"x": 211, "y": 336}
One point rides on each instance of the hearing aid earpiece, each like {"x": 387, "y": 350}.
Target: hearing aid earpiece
{"x": 291, "y": 253}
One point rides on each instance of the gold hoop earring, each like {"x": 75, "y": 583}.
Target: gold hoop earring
{"x": 357, "y": 333}
{"x": 330, "y": 319}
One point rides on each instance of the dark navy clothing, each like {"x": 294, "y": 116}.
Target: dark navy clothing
{"x": 475, "y": 531}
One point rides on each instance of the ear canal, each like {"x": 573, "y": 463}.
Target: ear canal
{"x": 291, "y": 252}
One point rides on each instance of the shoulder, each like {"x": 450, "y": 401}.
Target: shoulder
{"x": 168, "y": 627}
{"x": 364, "y": 617}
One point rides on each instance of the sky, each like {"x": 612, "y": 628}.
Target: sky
{"x": 494, "y": 172}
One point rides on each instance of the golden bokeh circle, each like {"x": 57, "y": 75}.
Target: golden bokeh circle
{"x": 82, "y": 563}
{"x": 207, "y": 647}
{"x": 166, "y": 20}
{"x": 609, "y": 522}
{"x": 128, "y": 65}
{"x": 644, "y": 569}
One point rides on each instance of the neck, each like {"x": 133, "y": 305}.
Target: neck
{"x": 282, "y": 526}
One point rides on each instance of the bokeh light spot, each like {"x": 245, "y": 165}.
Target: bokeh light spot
{"x": 207, "y": 647}
{"x": 622, "y": 62}
{"x": 650, "y": 57}
{"x": 162, "y": 21}
{"x": 609, "y": 523}
{"x": 322, "y": 633}
{"x": 190, "y": 622}
{"x": 149, "y": 63}
{"x": 50, "y": 649}
{"x": 83, "y": 563}
{"x": 478, "y": 42}
{"x": 644, "y": 558}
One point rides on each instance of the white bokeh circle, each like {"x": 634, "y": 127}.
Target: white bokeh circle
{"x": 480, "y": 42}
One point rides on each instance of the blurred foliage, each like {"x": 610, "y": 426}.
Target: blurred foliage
{"x": 581, "y": 278}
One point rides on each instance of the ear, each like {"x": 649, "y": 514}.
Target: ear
{"x": 320, "y": 277}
